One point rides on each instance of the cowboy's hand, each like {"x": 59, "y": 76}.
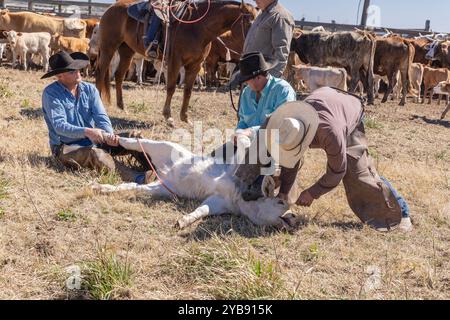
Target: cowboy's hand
{"x": 95, "y": 135}
{"x": 305, "y": 199}
{"x": 242, "y": 132}
{"x": 112, "y": 140}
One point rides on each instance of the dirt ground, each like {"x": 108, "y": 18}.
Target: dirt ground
{"x": 126, "y": 246}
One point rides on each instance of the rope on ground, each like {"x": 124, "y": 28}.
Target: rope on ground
{"x": 31, "y": 198}
{"x": 175, "y": 197}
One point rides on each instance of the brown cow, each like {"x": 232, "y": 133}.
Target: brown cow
{"x": 431, "y": 78}
{"x": 354, "y": 51}
{"x": 394, "y": 54}
{"x": 69, "y": 44}
{"x": 32, "y": 22}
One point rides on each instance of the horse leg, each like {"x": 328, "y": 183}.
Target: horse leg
{"x": 102, "y": 73}
{"x": 126, "y": 55}
{"x": 214, "y": 205}
{"x": 191, "y": 73}
{"x": 171, "y": 81}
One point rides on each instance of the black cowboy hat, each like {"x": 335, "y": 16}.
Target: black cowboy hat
{"x": 62, "y": 62}
{"x": 251, "y": 65}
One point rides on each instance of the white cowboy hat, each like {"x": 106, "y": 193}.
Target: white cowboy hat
{"x": 289, "y": 132}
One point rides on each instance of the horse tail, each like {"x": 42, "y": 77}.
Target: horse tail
{"x": 102, "y": 78}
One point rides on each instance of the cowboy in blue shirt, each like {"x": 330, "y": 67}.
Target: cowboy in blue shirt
{"x": 80, "y": 131}
{"x": 263, "y": 93}
{"x": 259, "y": 99}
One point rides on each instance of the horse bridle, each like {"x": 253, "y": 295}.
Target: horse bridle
{"x": 241, "y": 17}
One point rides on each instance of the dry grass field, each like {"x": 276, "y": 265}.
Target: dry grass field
{"x": 126, "y": 246}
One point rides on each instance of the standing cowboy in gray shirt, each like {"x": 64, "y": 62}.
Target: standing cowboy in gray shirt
{"x": 271, "y": 34}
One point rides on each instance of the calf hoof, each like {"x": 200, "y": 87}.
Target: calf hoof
{"x": 401, "y": 104}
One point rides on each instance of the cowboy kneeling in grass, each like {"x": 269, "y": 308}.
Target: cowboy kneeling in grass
{"x": 80, "y": 131}
{"x": 331, "y": 120}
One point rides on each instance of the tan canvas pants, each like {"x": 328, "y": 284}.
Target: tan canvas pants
{"x": 368, "y": 196}
{"x": 77, "y": 157}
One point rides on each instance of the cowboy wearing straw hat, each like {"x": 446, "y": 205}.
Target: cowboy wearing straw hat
{"x": 80, "y": 131}
{"x": 333, "y": 121}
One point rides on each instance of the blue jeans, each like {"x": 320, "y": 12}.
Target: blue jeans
{"x": 401, "y": 201}
{"x": 155, "y": 23}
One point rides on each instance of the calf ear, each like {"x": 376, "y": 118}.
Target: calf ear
{"x": 5, "y": 33}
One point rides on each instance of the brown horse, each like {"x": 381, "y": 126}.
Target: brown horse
{"x": 188, "y": 45}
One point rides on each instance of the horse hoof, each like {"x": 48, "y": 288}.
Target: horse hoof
{"x": 170, "y": 122}
{"x": 187, "y": 121}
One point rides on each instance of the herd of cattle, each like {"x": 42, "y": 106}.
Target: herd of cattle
{"x": 353, "y": 60}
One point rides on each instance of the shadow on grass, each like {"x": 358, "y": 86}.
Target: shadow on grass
{"x": 125, "y": 124}
{"x": 37, "y": 160}
{"x": 444, "y": 123}
{"x": 32, "y": 114}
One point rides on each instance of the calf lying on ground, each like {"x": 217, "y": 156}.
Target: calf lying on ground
{"x": 193, "y": 177}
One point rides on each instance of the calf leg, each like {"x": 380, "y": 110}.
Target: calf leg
{"x": 392, "y": 82}
{"x": 445, "y": 112}
{"x": 162, "y": 153}
{"x": 214, "y": 205}
{"x": 154, "y": 189}
{"x": 139, "y": 67}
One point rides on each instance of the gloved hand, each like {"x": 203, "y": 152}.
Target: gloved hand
{"x": 270, "y": 186}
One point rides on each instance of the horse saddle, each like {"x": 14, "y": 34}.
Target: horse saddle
{"x": 139, "y": 11}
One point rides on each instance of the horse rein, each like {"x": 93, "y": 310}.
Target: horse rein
{"x": 154, "y": 171}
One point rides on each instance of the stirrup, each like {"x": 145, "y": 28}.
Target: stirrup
{"x": 153, "y": 54}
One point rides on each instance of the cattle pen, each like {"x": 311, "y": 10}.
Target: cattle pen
{"x": 62, "y": 239}
{"x": 93, "y": 9}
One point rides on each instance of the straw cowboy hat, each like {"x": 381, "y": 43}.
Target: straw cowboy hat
{"x": 62, "y": 62}
{"x": 296, "y": 124}
{"x": 251, "y": 65}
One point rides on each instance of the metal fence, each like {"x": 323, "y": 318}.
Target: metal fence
{"x": 85, "y": 9}
{"x": 348, "y": 27}
{"x": 90, "y": 8}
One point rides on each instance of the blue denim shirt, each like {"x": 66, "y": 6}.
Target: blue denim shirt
{"x": 253, "y": 114}
{"x": 67, "y": 116}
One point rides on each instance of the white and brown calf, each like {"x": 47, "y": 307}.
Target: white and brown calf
{"x": 193, "y": 177}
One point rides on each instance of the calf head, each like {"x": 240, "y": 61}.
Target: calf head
{"x": 442, "y": 88}
{"x": 12, "y": 37}
{"x": 272, "y": 212}
{"x": 437, "y": 50}
{"x": 54, "y": 41}
{"x": 94, "y": 42}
